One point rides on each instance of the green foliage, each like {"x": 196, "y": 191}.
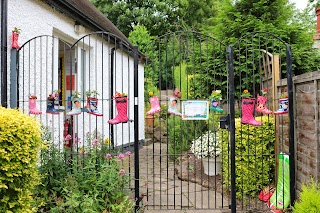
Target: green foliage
{"x": 149, "y": 87}
{"x": 181, "y": 78}
{"x": 141, "y": 36}
{"x": 207, "y": 69}
{"x": 89, "y": 182}
{"x": 154, "y": 14}
{"x": 309, "y": 199}
{"x": 53, "y": 170}
{"x": 20, "y": 142}
{"x": 254, "y": 156}
{"x": 181, "y": 133}
{"x": 158, "y": 17}
{"x": 236, "y": 19}
{"x": 164, "y": 111}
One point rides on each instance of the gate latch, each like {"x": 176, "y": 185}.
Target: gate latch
{"x": 225, "y": 122}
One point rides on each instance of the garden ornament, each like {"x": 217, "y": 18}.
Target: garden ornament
{"x": 122, "y": 108}
{"x": 32, "y": 105}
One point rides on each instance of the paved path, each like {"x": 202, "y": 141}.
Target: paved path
{"x": 165, "y": 192}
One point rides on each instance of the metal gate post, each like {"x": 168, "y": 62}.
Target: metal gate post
{"x": 232, "y": 129}
{"x": 136, "y": 127}
{"x": 14, "y": 79}
{"x": 291, "y": 129}
{"x": 4, "y": 51}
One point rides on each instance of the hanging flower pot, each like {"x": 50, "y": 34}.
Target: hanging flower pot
{"x": 15, "y": 38}
{"x": 215, "y": 101}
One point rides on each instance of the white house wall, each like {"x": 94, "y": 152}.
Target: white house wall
{"x": 40, "y": 70}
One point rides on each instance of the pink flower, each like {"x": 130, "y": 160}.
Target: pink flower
{"x": 77, "y": 139}
{"x": 121, "y": 156}
{"x": 68, "y": 137}
{"x": 122, "y": 172}
{"x": 128, "y": 153}
{"x": 108, "y": 156}
{"x": 95, "y": 142}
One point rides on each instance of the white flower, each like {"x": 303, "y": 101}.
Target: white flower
{"x": 207, "y": 145}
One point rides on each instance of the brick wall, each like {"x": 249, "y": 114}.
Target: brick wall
{"x": 306, "y": 118}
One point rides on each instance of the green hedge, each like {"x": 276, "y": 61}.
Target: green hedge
{"x": 20, "y": 141}
{"x": 254, "y": 156}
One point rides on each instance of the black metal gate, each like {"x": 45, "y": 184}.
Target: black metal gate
{"x": 194, "y": 96}
{"x": 84, "y": 94}
{"x": 244, "y": 133}
{"x": 193, "y": 65}
{"x": 262, "y": 138}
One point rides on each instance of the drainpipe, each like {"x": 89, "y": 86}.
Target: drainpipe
{"x": 4, "y": 51}
{"x": 111, "y": 130}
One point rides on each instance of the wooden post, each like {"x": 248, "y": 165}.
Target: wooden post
{"x": 316, "y": 119}
{"x": 275, "y": 79}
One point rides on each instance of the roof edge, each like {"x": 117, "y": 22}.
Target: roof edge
{"x": 71, "y": 11}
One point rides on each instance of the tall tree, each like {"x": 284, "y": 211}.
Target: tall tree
{"x": 158, "y": 16}
{"x": 279, "y": 17}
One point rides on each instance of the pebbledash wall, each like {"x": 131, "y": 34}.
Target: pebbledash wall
{"x": 307, "y": 138}
{"x": 35, "y": 18}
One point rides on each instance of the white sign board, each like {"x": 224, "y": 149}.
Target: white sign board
{"x": 195, "y": 110}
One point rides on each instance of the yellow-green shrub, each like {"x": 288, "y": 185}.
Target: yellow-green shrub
{"x": 309, "y": 199}
{"x": 20, "y": 140}
{"x": 254, "y": 156}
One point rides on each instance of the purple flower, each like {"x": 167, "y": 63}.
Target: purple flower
{"x": 108, "y": 156}
{"x": 122, "y": 172}
{"x": 95, "y": 142}
{"x": 128, "y": 153}
{"x": 121, "y": 156}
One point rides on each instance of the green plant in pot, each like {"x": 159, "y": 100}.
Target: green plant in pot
{"x": 92, "y": 103}
{"x": 15, "y": 36}
{"x": 207, "y": 147}
{"x": 215, "y": 98}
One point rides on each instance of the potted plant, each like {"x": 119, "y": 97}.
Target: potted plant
{"x": 92, "y": 102}
{"x": 32, "y": 105}
{"x": 247, "y": 109}
{"x": 215, "y": 98}
{"x": 283, "y": 104}
{"x": 15, "y": 36}
{"x": 262, "y": 101}
{"x": 154, "y": 108}
{"x": 207, "y": 147}
{"x": 76, "y": 105}
{"x": 122, "y": 108}
{"x": 57, "y": 101}
{"x": 52, "y": 99}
